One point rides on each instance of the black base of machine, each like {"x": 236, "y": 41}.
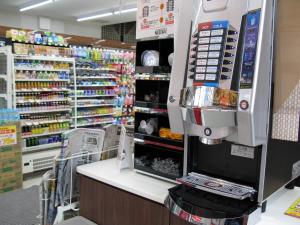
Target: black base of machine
{"x": 208, "y": 205}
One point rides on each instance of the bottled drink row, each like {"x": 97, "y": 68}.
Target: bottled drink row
{"x": 40, "y": 85}
{"x": 42, "y": 106}
{"x": 95, "y": 102}
{"x": 45, "y": 117}
{"x": 95, "y": 83}
{"x": 94, "y": 120}
{"x": 91, "y": 92}
{"x": 108, "y": 55}
{"x": 32, "y": 96}
{"x": 62, "y": 75}
{"x": 45, "y": 128}
{"x": 30, "y": 142}
{"x": 41, "y": 65}
{"x": 80, "y": 74}
{"x": 93, "y": 112}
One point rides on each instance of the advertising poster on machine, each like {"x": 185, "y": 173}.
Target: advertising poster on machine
{"x": 155, "y": 18}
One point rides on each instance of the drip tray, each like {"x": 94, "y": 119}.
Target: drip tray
{"x": 218, "y": 186}
{"x": 207, "y": 205}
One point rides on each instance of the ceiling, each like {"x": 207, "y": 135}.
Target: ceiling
{"x": 69, "y": 10}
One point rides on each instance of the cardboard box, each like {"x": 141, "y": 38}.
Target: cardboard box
{"x": 10, "y": 184}
{"x": 11, "y": 177}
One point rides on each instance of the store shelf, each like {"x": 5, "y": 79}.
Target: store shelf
{"x": 42, "y": 80}
{"x": 95, "y": 78}
{"x": 90, "y": 116}
{"x": 40, "y": 69}
{"x": 44, "y": 134}
{"x": 42, "y": 90}
{"x": 90, "y": 106}
{"x": 35, "y": 43}
{"x": 92, "y": 124}
{"x": 106, "y": 85}
{"x": 41, "y": 101}
{"x": 93, "y": 96}
{"x": 37, "y": 122}
{"x": 41, "y": 147}
{"x": 91, "y": 69}
{"x": 44, "y": 58}
{"x": 45, "y": 111}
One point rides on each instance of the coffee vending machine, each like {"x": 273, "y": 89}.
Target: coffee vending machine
{"x": 220, "y": 98}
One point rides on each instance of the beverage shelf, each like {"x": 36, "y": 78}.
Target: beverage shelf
{"x": 42, "y": 80}
{"x": 42, "y": 101}
{"x": 41, "y": 69}
{"x": 91, "y": 69}
{"x": 42, "y": 90}
{"x": 103, "y": 85}
{"x": 43, "y": 134}
{"x": 96, "y": 123}
{"x": 37, "y": 122}
{"x": 93, "y": 96}
{"x": 41, "y": 147}
{"x": 98, "y": 115}
{"x": 45, "y": 111}
{"x": 44, "y": 58}
{"x": 95, "y": 78}
{"x": 90, "y": 106}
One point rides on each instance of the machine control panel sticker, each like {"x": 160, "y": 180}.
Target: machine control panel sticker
{"x": 203, "y": 48}
{"x": 202, "y": 55}
{"x": 213, "y": 62}
{"x": 204, "y": 41}
{"x": 250, "y": 48}
{"x": 214, "y": 55}
{"x": 211, "y": 77}
{"x": 212, "y": 69}
{"x": 200, "y": 69}
{"x": 218, "y": 32}
{"x": 216, "y": 40}
{"x": 242, "y": 151}
{"x": 201, "y": 62}
{"x": 215, "y": 47}
{"x": 205, "y": 33}
{"x": 200, "y": 76}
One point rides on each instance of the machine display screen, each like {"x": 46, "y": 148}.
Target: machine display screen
{"x": 250, "y": 45}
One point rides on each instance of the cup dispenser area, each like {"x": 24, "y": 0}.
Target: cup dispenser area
{"x": 220, "y": 96}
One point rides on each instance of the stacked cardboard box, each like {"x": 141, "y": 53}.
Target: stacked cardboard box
{"x": 10, "y": 157}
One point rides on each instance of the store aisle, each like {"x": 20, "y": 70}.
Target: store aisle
{"x": 20, "y": 207}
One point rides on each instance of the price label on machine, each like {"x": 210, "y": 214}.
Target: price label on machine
{"x": 242, "y": 151}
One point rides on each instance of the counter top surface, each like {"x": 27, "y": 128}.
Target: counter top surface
{"x": 277, "y": 206}
{"x": 108, "y": 172}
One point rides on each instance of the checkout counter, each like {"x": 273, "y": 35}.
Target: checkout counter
{"x": 109, "y": 196}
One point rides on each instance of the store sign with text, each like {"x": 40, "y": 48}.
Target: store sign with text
{"x": 155, "y": 18}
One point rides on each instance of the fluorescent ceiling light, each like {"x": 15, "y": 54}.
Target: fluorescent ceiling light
{"x": 35, "y": 5}
{"x": 125, "y": 11}
{"x": 95, "y": 16}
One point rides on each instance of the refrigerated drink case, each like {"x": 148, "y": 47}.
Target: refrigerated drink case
{"x": 223, "y": 107}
